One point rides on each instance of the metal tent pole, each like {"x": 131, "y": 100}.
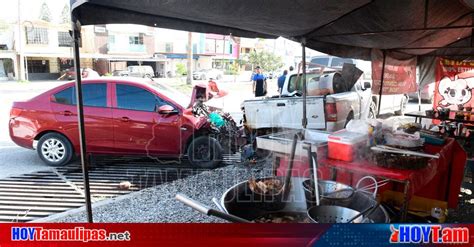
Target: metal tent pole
{"x": 76, "y": 34}
{"x": 303, "y": 65}
{"x": 419, "y": 98}
{"x": 381, "y": 83}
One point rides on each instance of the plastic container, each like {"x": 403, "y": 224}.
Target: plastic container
{"x": 343, "y": 145}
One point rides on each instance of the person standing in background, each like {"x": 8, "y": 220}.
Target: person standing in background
{"x": 281, "y": 81}
{"x": 259, "y": 83}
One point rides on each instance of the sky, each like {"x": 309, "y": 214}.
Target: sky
{"x": 30, "y": 9}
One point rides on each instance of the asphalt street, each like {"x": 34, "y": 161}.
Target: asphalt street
{"x": 17, "y": 160}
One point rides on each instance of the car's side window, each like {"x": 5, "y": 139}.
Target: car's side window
{"x": 135, "y": 98}
{"x": 94, "y": 94}
{"x": 65, "y": 96}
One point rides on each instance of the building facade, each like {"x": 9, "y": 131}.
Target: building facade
{"x": 35, "y": 44}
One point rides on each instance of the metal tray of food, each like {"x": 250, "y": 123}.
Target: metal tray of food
{"x": 281, "y": 142}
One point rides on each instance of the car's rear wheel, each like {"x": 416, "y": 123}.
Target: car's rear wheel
{"x": 55, "y": 149}
{"x": 205, "y": 152}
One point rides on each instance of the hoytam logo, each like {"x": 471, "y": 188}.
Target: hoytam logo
{"x": 436, "y": 234}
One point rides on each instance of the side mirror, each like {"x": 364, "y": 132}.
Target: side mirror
{"x": 167, "y": 110}
{"x": 367, "y": 85}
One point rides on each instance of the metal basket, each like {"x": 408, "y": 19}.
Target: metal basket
{"x": 334, "y": 214}
{"x": 325, "y": 188}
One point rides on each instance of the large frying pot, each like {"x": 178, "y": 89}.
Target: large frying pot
{"x": 237, "y": 201}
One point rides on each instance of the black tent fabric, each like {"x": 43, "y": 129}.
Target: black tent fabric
{"x": 346, "y": 28}
{"x": 244, "y": 18}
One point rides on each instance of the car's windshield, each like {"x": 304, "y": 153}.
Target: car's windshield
{"x": 319, "y": 61}
{"x": 178, "y": 97}
{"x": 339, "y": 62}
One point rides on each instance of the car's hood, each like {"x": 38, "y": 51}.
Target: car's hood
{"x": 203, "y": 89}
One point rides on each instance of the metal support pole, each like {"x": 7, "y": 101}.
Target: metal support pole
{"x": 381, "y": 83}
{"x": 303, "y": 65}
{"x": 419, "y": 98}
{"x": 76, "y": 34}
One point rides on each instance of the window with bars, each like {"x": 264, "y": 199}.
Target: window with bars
{"x": 169, "y": 47}
{"x": 37, "y": 36}
{"x": 64, "y": 39}
{"x": 38, "y": 66}
{"x": 136, "y": 40}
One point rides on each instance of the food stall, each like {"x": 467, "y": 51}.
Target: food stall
{"x": 433, "y": 172}
{"x": 399, "y": 30}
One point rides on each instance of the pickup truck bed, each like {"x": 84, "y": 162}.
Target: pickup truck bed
{"x": 284, "y": 112}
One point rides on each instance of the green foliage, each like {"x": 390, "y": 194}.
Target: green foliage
{"x": 266, "y": 60}
{"x": 233, "y": 69}
{"x": 181, "y": 69}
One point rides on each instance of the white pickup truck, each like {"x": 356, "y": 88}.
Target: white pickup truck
{"x": 340, "y": 98}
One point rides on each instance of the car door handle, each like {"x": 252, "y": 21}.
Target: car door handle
{"x": 125, "y": 119}
{"x": 281, "y": 104}
{"x": 66, "y": 113}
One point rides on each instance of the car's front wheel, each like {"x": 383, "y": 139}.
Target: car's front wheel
{"x": 205, "y": 152}
{"x": 55, "y": 149}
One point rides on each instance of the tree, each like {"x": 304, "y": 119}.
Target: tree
{"x": 65, "y": 14}
{"x": 181, "y": 69}
{"x": 266, "y": 60}
{"x": 45, "y": 14}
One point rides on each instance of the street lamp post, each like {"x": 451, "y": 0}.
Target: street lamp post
{"x": 21, "y": 68}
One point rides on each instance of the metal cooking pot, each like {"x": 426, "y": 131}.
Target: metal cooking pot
{"x": 325, "y": 188}
{"x": 237, "y": 200}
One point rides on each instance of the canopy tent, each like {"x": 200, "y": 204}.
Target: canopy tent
{"x": 347, "y": 28}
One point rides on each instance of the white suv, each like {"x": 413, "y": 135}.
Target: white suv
{"x": 140, "y": 71}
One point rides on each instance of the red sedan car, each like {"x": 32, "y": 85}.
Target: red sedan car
{"x": 122, "y": 116}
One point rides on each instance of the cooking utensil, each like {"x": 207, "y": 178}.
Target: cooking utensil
{"x": 376, "y": 185}
{"x": 209, "y": 211}
{"x": 218, "y": 205}
{"x": 372, "y": 210}
{"x": 332, "y": 214}
{"x": 315, "y": 175}
{"x": 326, "y": 188}
{"x": 237, "y": 200}
{"x": 360, "y": 214}
{"x": 366, "y": 213}
{"x": 339, "y": 194}
{"x": 286, "y": 185}
{"x": 314, "y": 169}
{"x": 382, "y": 148}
